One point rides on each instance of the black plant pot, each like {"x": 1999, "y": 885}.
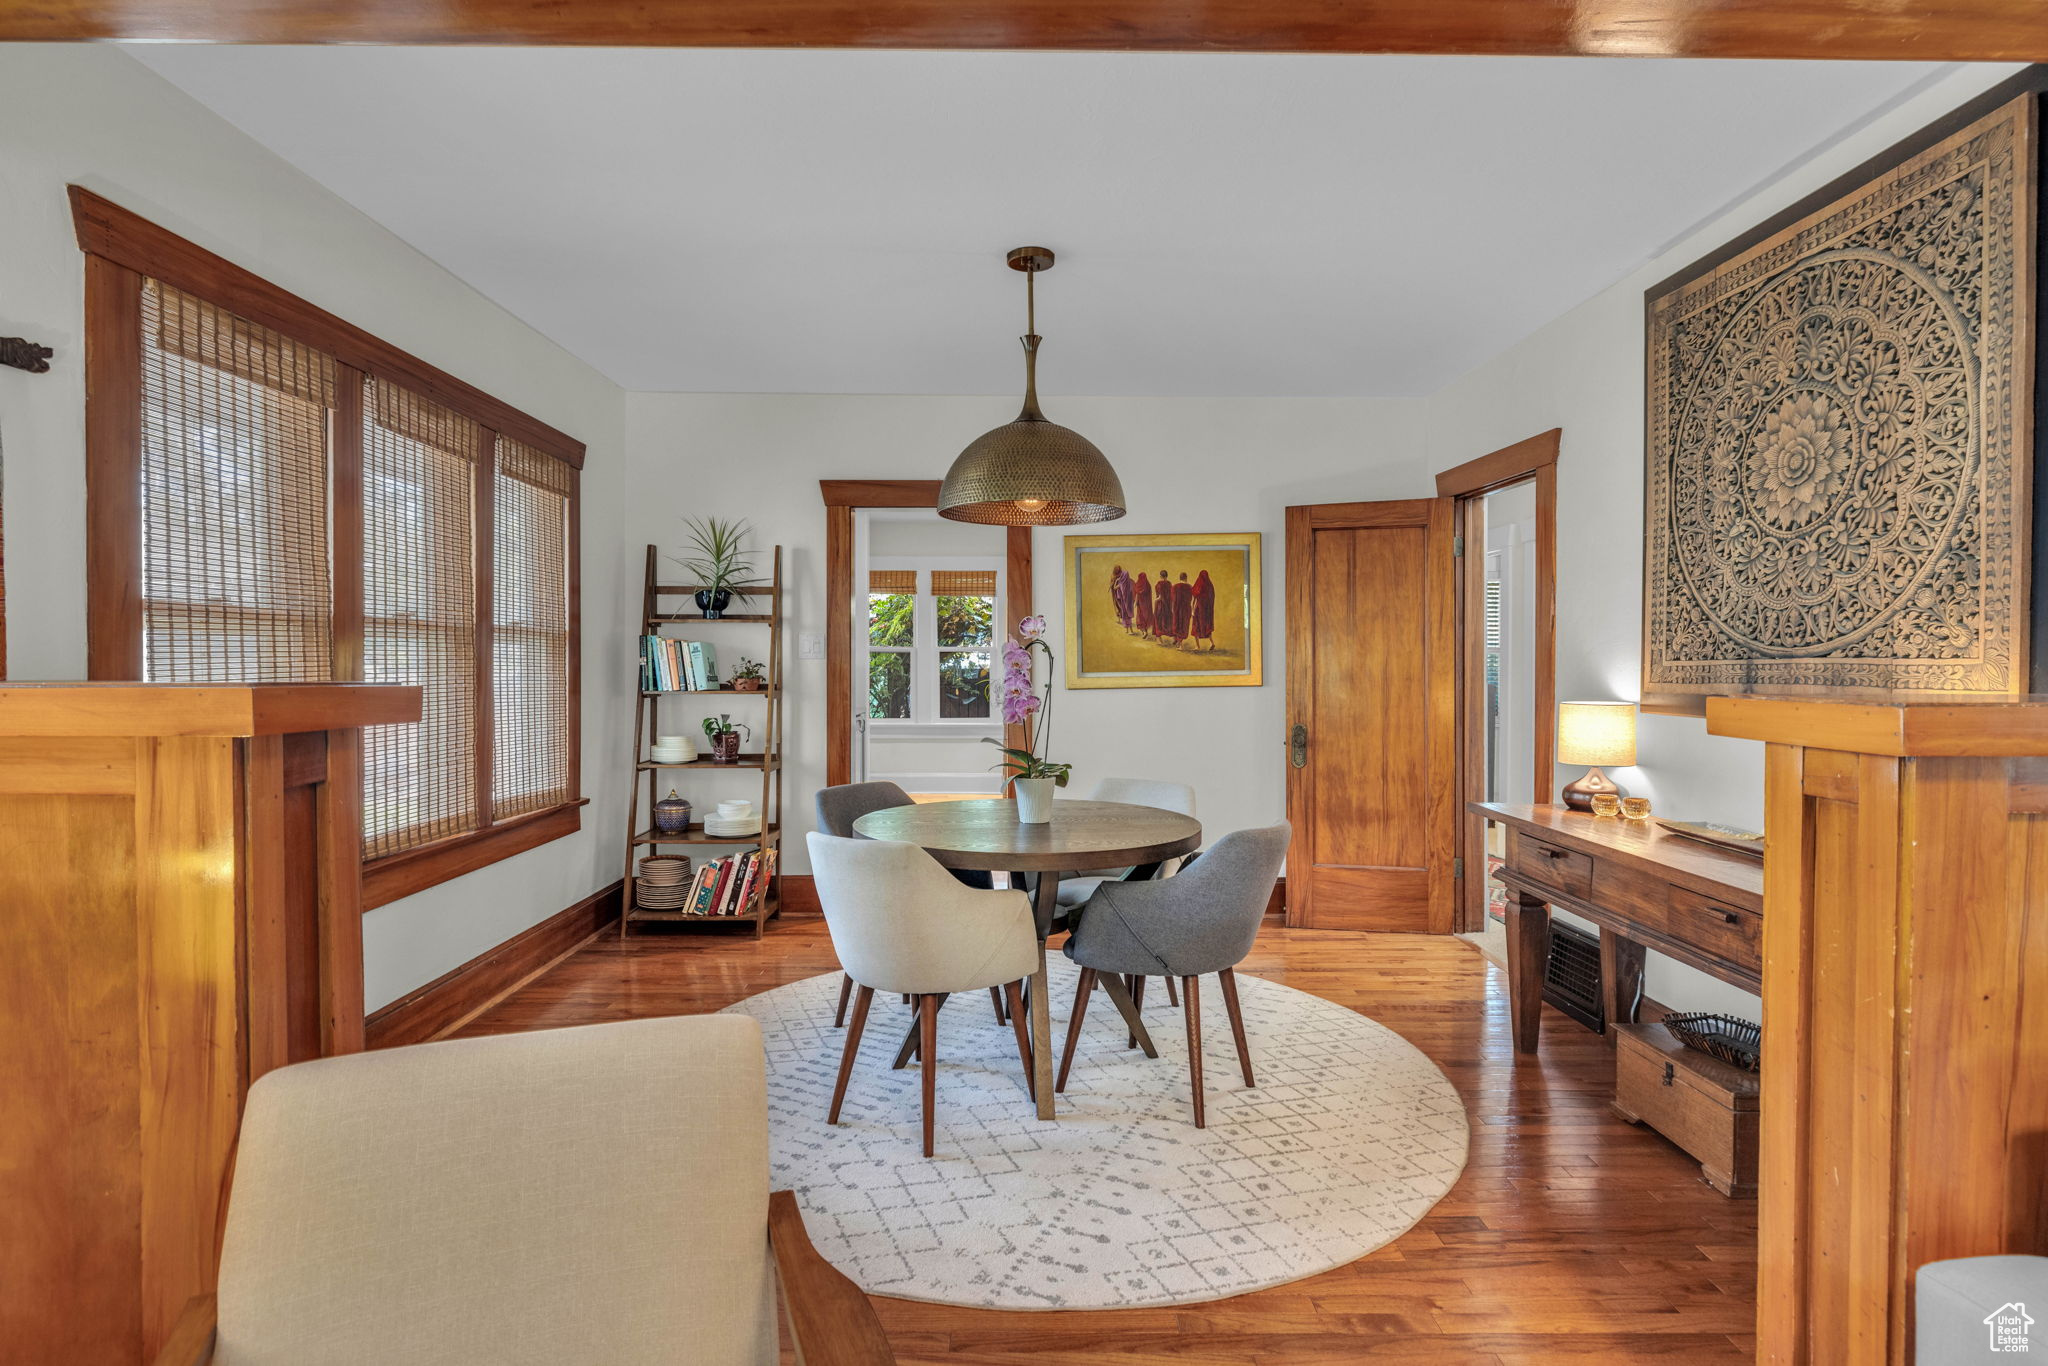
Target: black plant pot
{"x": 712, "y": 604}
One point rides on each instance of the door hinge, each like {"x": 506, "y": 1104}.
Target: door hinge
{"x": 1457, "y": 547}
{"x": 1457, "y": 867}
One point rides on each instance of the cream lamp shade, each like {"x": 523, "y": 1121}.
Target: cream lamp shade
{"x": 1595, "y": 733}
{"x": 1598, "y": 733}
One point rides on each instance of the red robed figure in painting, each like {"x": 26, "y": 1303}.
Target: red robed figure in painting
{"x": 1120, "y": 595}
{"x": 1183, "y": 608}
{"x": 1162, "y": 607}
{"x": 1141, "y": 604}
{"x": 1202, "y": 624}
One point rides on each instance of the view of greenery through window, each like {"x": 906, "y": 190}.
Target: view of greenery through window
{"x": 966, "y": 626}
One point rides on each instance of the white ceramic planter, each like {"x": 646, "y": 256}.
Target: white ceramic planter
{"x": 1034, "y": 800}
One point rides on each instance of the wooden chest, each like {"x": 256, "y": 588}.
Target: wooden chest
{"x": 1705, "y": 1106}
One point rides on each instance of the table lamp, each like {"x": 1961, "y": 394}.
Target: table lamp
{"x": 1594, "y": 733}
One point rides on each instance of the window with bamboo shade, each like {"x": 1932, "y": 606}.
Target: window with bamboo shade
{"x": 274, "y": 495}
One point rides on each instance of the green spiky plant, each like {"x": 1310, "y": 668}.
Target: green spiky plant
{"x": 717, "y": 560}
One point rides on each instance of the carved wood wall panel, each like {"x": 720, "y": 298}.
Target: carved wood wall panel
{"x": 1839, "y": 449}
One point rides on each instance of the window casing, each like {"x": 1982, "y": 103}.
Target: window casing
{"x": 275, "y": 496}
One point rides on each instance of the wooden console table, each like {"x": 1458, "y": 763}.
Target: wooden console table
{"x": 1643, "y": 886}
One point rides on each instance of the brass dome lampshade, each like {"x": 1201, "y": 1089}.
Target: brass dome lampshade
{"x": 1031, "y": 472}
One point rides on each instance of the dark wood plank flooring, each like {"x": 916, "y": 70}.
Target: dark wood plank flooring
{"x": 1571, "y": 1237}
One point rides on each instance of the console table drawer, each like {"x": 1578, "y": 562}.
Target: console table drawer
{"x": 1715, "y": 928}
{"x": 1568, "y": 870}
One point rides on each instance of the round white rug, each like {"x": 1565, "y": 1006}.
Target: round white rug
{"x": 1349, "y": 1138}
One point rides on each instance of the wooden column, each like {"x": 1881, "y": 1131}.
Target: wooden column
{"x": 1905, "y": 1000}
{"x": 180, "y": 877}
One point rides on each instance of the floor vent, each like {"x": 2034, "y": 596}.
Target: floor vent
{"x": 1571, "y": 980}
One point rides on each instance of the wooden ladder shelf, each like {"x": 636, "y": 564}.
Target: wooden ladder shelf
{"x": 641, "y": 837}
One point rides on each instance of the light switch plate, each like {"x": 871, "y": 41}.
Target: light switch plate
{"x": 810, "y": 645}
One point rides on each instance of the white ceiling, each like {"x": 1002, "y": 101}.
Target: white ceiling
{"x": 835, "y": 222}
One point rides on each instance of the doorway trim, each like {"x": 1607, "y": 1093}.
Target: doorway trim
{"x": 1534, "y": 458}
{"x": 841, "y": 497}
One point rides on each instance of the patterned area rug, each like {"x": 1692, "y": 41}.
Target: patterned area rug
{"x": 1349, "y": 1138}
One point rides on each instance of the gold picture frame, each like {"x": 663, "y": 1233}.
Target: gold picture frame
{"x": 1213, "y": 634}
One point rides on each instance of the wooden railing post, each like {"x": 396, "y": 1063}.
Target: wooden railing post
{"x": 1905, "y": 1002}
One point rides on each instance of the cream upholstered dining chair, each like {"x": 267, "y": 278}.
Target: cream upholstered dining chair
{"x": 838, "y": 808}
{"x": 1203, "y": 921}
{"x": 1076, "y": 888}
{"x": 595, "y": 1196}
{"x": 900, "y": 924}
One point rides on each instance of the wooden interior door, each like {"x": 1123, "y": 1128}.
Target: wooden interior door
{"x": 1372, "y": 716}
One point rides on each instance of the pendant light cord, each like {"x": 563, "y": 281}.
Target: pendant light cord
{"x": 1030, "y": 411}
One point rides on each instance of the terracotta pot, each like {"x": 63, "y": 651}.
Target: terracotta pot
{"x": 749, "y": 684}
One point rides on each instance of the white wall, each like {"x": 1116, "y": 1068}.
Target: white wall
{"x": 1223, "y": 464}
{"x": 1584, "y": 373}
{"x": 90, "y": 115}
{"x": 1187, "y": 464}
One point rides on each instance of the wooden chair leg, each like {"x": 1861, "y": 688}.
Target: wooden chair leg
{"x": 1191, "y": 1003}
{"x": 1172, "y": 999}
{"x": 1135, "y": 983}
{"x": 1015, "y": 996}
{"x": 927, "y": 1046}
{"x": 845, "y": 992}
{"x": 995, "y": 996}
{"x": 1081, "y": 995}
{"x": 1228, "y": 977}
{"x": 860, "y": 1023}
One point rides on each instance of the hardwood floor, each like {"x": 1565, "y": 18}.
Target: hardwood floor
{"x": 1571, "y": 1237}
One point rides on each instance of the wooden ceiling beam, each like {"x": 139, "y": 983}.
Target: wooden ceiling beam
{"x": 1905, "y": 30}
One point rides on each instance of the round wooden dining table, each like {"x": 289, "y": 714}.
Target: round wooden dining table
{"x": 986, "y": 835}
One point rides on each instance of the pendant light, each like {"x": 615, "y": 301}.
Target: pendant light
{"x": 1031, "y": 472}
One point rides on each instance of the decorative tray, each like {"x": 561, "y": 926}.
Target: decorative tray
{"x": 1723, "y": 836}
{"x": 1726, "y": 1037}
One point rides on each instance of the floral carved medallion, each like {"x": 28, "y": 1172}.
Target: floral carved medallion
{"x": 1836, "y": 492}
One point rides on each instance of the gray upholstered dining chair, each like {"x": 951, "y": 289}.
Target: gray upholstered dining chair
{"x": 1076, "y": 888}
{"x": 901, "y": 925}
{"x": 837, "y": 809}
{"x": 1200, "y": 922}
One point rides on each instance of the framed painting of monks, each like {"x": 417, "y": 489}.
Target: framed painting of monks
{"x": 1163, "y": 611}
{"x": 1839, "y": 444}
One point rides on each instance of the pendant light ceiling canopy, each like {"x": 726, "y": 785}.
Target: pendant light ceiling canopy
{"x": 1031, "y": 472}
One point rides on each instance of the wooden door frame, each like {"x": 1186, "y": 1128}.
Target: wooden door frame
{"x": 1438, "y": 516}
{"x": 842, "y": 497}
{"x": 1533, "y": 459}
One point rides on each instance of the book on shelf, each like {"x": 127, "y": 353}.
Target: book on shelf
{"x": 669, "y": 665}
{"x": 703, "y": 666}
{"x": 732, "y": 885}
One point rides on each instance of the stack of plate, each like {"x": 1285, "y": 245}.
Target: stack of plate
{"x": 663, "y": 883}
{"x": 733, "y": 818}
{"x": 673, "y": 749}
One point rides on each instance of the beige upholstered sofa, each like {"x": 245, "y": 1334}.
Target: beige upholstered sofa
{"x": 595, "y": 1195}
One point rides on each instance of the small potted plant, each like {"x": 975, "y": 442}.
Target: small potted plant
{"x": 1032, "y": 776}
{"x": 724, "y": 734}
{"x": 716, "y": 562}
{"x": 747, "y": 676}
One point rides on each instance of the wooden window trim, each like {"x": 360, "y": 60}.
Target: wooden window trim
{"x": 121, "y": 250}
{"x": 841, "y": 497}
